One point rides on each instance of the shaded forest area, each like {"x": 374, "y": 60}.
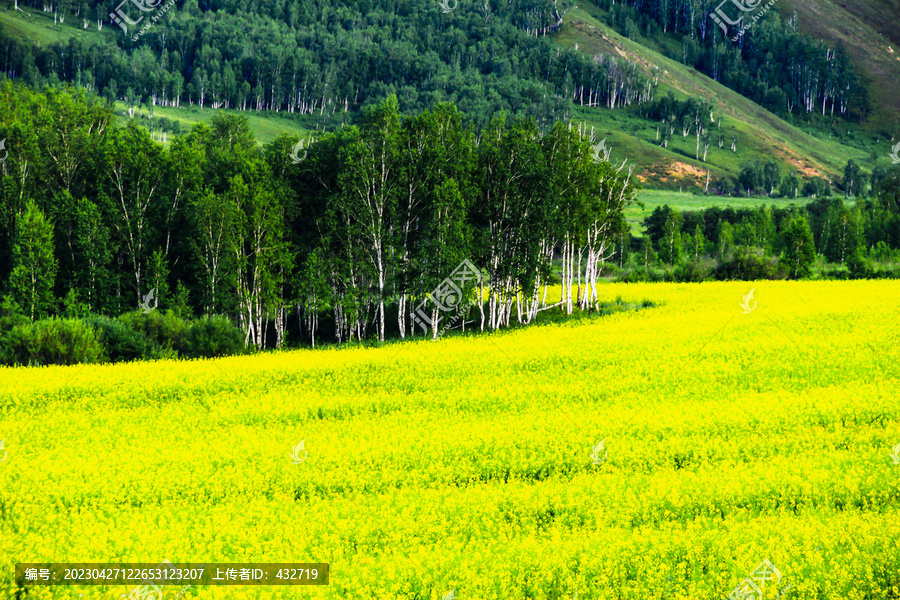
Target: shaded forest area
{"x": 367, "y": 222}
{"x": 326, "y": 59}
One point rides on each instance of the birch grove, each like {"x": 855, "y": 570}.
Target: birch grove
{"x": 408, "y": 201}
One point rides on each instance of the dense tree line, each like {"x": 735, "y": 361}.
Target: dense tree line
{"x": 765, "y": 178}
{"x": 322, "y": 58}
{"x": 771, "y": 242}
{"x": 349, "y": 238}
{"x": 772, "y": 63}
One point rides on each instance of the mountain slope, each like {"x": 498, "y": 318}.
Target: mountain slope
{"x": 760, "y": 133}
{"x": 870, "y": 31}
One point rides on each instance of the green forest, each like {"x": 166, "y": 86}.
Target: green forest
{"x": 338, "y": 238}
{"x": 326, "y": 58}
{"x": 372, "y": 217}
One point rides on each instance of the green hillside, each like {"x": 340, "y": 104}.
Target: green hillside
{"x": 266, "y": 126}
{"x": 870, "y": 31}
{"x": 760, "y": 134}
{"x": 38, "y": 27}
{"x": 336, "y": 75}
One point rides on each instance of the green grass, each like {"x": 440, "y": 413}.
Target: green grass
{"x": 686, "y": 201}
{"x": 265, "y": 126}
{"x": 38, "y": 27}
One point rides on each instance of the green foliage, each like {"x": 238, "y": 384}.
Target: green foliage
{"x": 162, "y": 330}
{"x": 120, "y": 342}
{"x": 51, "y": 342}
{"x": 799, "y": 249}
{"x": 841, "y": 233}
{"x": 73, "y": 307}
{"x": 790, "y": 185}
{"x": 34, "y": 266}
{"x": 158, "y": 279}
{"x": 10, "y": 314}
{"x": 855, "y": 181}
{"x": 211, "y": 336}
{"x": 671, "y": 245}
{"x": 725, "y": 236}
{"x": 647, "y": 256}
{"x": 817, "y": 187}
{"x": 694, "y": 271}
{"x": 858, "y": 266}
{"x": 749, "y": 266}
{"x": 103, "y": 339}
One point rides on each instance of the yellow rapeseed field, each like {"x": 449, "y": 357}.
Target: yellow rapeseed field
{"x": 730, "y": 436}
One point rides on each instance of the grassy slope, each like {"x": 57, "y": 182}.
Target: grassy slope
{"x": 870, "y": 31}
{"x": 38, "y": 27}
{"x": 760, "y": 134}
{"x": 265, "y": 126}
{"x": 684, "y": 201}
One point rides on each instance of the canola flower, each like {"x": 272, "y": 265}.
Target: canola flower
{"x": 465, "y": 464}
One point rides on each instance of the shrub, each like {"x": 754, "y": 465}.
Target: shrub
{"x": 120, "y": 342}
{"x": 10, "y": 315}
{"x": 213, "y": 336}
{"x": 693, "y": 271}
{"x": 163, "y": 332}
{"x": 747, "y": 266}
{"x": 858, "y": 266}
{"x": 51, "y": 342}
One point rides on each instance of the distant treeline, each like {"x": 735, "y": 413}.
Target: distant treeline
{"x": 321, "y": 57}
{"x": 354, "y": 231}
{"x": 773, "y": 63}
{"x": 765, "y": 178}
{"x": 860, "y": 241}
